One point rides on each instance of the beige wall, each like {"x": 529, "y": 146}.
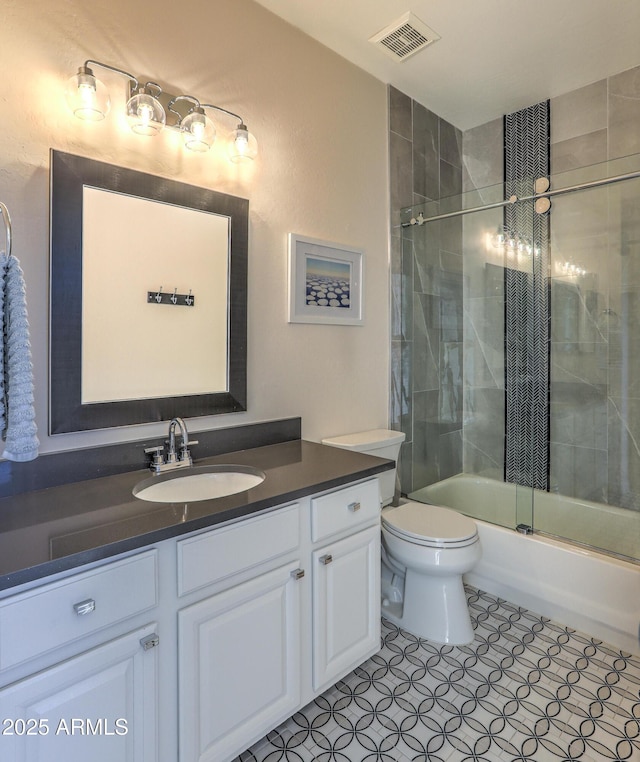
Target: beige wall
{"x": 322, "y": 171}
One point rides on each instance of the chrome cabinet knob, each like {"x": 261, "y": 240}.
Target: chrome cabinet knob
{"x": 84, "y": 607}
{"x": 326, "y": 559}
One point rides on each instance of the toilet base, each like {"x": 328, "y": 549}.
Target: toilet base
{"x": 434, "y": 608}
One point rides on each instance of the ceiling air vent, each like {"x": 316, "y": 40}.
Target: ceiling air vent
{"x": 404, "y": 37}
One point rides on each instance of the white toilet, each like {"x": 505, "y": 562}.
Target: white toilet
{"x": 425, "y": 551}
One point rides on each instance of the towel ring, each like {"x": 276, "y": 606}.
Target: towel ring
{"x": 7, "y": 226}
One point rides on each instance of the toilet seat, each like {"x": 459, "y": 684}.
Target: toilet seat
{"x": 430, "y": 525}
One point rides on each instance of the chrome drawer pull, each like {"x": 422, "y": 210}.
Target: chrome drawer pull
{"x": 151, "y": 641}
{"x": 84, "y": 607}
{"x": 354, "y": 507}
{"x": 326, "y": 559}
{"x": 297, "y": 573}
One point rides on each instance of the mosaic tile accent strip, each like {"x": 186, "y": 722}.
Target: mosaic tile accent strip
{"x": 526, "y": 690}
{"x": 526, "y": 136}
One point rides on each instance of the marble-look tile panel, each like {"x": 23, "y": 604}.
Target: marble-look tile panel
{"x": 624, "y": 113}
{"x": 450, "y": 234}
{"x": 576, "y": 310}
{"x": 451, "y": 367}
{"x": 483, "y": 155}
{"x": 572, "y": 364}
{"x": 624, "y": 452}
{"x": 405, "y": 467}
{"x": 406, "y": 412}
{"x": 624, "y": 359}
{"x": 451, "y": 263}
{"x": 395, "y": 396}
{"x": 450, "y": 143}
{"x": 400, "y": 175}
{"x": 450, "y": 454}
{"x": 426, "y": 153}
{"x": 579, "y": 472}
{"x": 426, "y": 343}
{"x": 426, "y": 455}
{"x": 451, "y": 314}
{"x": 396, "y": 287}
{"x": 450, "y": 180}
{"x": 483, "y": 440}
{"x": 579, "y": 112}
{"x": 484, "y": 343}
{"x": 408, "y": 285}
{"x": 580, "y": 151}
{"x": 581, "y": 215}
{"x": 400, "y": 113}
{"x": 578, "y": 415}
{"x": 401, "y": 403}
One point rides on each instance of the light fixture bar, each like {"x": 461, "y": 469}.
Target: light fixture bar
{"x": 150, "y": 109}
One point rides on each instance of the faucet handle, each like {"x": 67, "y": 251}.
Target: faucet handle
{"x": 184, "y": 450}
{"x": 185, "y": 455}
{"x": 157, "y": 453}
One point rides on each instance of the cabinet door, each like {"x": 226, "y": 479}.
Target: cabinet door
{"x": 99, "y": 706}
{"x": 239, "y": 662}
{"x": 346, "y": 605}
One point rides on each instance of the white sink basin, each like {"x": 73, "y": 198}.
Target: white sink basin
{"x": 198, "y": 483}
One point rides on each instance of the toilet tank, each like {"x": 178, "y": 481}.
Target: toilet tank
{"x": 382, "y": 443}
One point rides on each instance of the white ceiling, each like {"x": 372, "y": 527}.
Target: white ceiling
{"x": 494, "y": 56}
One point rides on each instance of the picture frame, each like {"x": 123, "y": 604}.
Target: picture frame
{"x": 325, "y": 282}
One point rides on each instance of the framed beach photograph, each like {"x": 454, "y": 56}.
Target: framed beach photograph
{"x": 325, "y": 282}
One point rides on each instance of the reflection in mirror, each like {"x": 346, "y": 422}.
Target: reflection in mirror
{"x": 148, "y": 298}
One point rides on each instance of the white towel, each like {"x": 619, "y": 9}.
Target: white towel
{"x": 17, "y": 414}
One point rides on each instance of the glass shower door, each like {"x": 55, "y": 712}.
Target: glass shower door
{"x": 594, "y": 470}
{"x": 452, "y": 358}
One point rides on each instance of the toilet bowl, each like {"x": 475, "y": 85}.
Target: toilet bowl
{"x": 425, "y": 551}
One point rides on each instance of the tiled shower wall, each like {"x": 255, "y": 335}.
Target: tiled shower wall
{"x": 451, "y": 409}
{"x": 427, "y": 285}
{"x": 595, "y": 395}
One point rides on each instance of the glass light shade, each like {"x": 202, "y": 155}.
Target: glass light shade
{"x": 242, "y": 145}
{"x": 198, "y": 131}
{"x": 145, "y": 114}
{"x": 87, "y": 97}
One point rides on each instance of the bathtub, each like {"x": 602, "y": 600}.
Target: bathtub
{"x": 587, "y": 590}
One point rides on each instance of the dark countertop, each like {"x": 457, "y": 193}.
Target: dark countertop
{"x": 47, "y": 531}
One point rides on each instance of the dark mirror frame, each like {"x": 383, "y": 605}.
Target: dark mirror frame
{"x": 69, "y": 175}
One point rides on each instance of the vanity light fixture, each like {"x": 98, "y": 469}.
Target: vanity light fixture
{"x": 149, "y": 109}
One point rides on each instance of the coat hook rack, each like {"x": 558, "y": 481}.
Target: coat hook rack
{"x": 175, "y": 299}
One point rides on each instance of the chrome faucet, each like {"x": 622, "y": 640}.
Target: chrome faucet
{"x": 173, "y": 460}
{"x": 172, "y": 456}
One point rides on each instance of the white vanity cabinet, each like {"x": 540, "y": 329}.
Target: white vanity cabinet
{"x": 194, "y": 649}
{"x": 303, "y": 615}
{"x": 99, "y": 703}
{"x": 346, "y": 580}
{"x": 239, "y": 659}
{"x": 346, "y": 614}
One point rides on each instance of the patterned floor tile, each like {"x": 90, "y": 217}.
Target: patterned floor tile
{"x": 526, "y": 690}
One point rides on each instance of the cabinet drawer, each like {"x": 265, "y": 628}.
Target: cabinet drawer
{"x": 344, "y": 509}
{"x": 221, "y": 553}
{"x": 58, "y": 613}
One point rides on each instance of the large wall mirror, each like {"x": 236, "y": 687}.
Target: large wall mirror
{"x": 148, "y": 298}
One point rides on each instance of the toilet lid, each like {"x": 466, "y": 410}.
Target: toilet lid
{"x": 426, "y": 524}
